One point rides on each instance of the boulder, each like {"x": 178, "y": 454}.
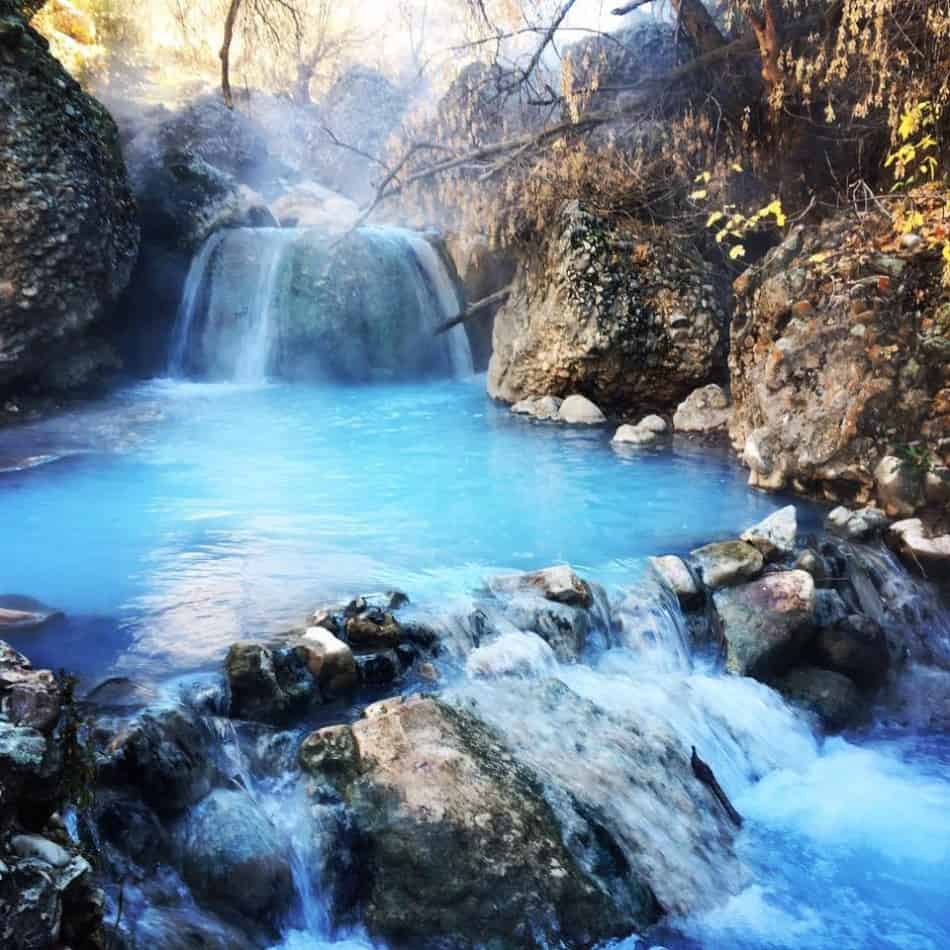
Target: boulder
{"x": 165, "y": 755}
{"x": 633, "y": 435}
{"x": 898, "y": 487}
{"x": 545, "y": 408}
{"x": 675, "y": 575}
{"x": 856, "y": 525}
{"x": 70, "y": 235}
{"x": 705, "y": 410}
{"x": 558, "y": 583}
{"x": 563, "y": 627}
{"x": 472, "y": 854}
{"x": 28, "y": 697}
{"x": 725, "y": 563}
{"x": 378, "y": 669}
{"x": 921, "y": 548}
{"x": 579, "y": 410}
{"x": 855, "y": 647}
{"x": 832, "y": 363}
{"x": 626, "y": 313}
{"x": 653, "y": 424}
{"x": 774, "y": 536}
{"x": 268, "y": 685}
{"x": 830, "y": 696}
{"x": 809, "y": 560}
{"x": 373, "y": 629}
{"x": 226, "y": 841}
{"x": 512, "y": 654}
{"x": 766, "y": 622}
{"x": 329, "y": 660}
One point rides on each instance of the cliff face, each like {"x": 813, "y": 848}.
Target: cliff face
{"x": 67, "y": 217}
{"x": 840, "y": 359}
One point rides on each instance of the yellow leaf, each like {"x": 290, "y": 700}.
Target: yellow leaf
{"x": 737, "y": 252}
{"x": 704, "y": 177}
{"x": 819, "y": 258}
{"x": 714, "y": 219}
{"x": 946, "y": 252}
{"x": 736, "y": 167}
{"x": 721, "y": 235}
{"x": 699, "y": 195}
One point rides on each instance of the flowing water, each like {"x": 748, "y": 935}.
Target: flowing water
{"x": 179, "y": 516}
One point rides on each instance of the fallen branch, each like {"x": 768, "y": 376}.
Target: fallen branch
{"x": 499, "y": 296}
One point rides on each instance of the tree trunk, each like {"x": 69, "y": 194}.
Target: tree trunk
{"x": 225, "y": 52}
{"x": 699, "y": 26}
{"x": 767, "y": 28}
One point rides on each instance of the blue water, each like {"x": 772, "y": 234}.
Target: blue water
{"x": 194, "y": 514}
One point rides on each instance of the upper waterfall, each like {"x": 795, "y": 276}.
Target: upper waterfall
{"x": 300, "y": 304}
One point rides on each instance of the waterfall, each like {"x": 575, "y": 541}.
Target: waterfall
{"x": 301, "y": 304}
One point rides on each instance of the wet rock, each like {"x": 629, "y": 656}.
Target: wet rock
{"x": 473, "y": 854}
{"x": 674, "y": 573}
{"x": 830, "y": 696}
{"x": 226, "y": 841}
{"x": 385, "y": 601}
{"x": 182, "y": 928}
{"x": 705, "y": 410}
{"x": 372, "y": 630}
{"x": 856, "y": 525}
{"x": 331, "y": 754}
{"x": 132, "y": 829}
{"x": 564, "y": 628}
{"x": 378, "y": 669}
{"x": 329, "y": 660}
{"x": 268, "y": 685}
{"x": 921, "y": 548}
{"x": 545, "y": 408}
{"x": 766, "y": 622}
{"x": 24, "y": 613}
{"x": 725, "y": 563}
{"x": 579, "y": 410}
{"x": 899, "y": 489}
{"x": 634, "y": 435}
{"x": 28, "y": 697}
{"x": 120, "y": 692}
{"x": 165, "y": 754}
{"x": 588, "y": 316}
{"x": 775, "y": 536}
{"x": 512, "y": 654}
{"x": 808, "y": 560}
{"x": 653, "y": 424}
{"x": 855, "y": 647}
{"x": 830, "y": 608}
{"x": 559, "y": 584}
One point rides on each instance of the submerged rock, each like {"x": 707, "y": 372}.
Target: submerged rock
{"x": 460, "y": 844}
{"x": 579, "y": 410}
{"x": 725, "y": 563}
{"x": 830, "y": 696}
{"x": 563, "y": 627}
{"x": 775, "y": 536}
{"x": 705, "y": 410}
{"x": 766, "y": 622}
{"x": 634, "y": 435}
{"x": 512, "y": 654}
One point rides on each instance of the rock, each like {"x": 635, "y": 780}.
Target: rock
{"x": 24, "y": 613}
{"x": 36, "y": 846}
{"x": 66, "y": 214}
{"x": 937, "y": 486}
{"x": 579, "y": 410}
{"x": 809, "y": 561}
{"x": 227, "y": 838}
{"x": 833, "y": 698}
{"x": 545, "y": 408}
{"x": 704, "y": 410}
{"x": 856, "y": 525}
{"x": 268, "y": 685}
{"x": 588, "y": 315}
{"x": 830, "y": 608}
{"x": 920, "y": 547}
{"x": 329, "y": 660}
{"x": 775, "y": 536}
{"x": 725, "y": 563}
{"x": 564, "y": 628}
{"x": 331, "y": 754}
{"x": 373, "y": 630}
{"x": 675, "y": 575}
{"x": 28, "y": 697}
{"x": 165, "y": 755}
{"x": 559, "y": 584}
{"x": 766, "y": 622}
{"x": 825, "y": 384}
{"x": 378, "y": 669}
{"x": 471, "y": 855}
{"x": 512, "y": 654}
{"x": 633, "y": 435}
{"x": 309, "y": 205}
{"x": 653, "y": 424}
{"x": 855, "y": 647}
{"x": 898, "y": 487}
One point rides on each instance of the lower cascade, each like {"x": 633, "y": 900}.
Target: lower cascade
{"x": 296, "y": 303}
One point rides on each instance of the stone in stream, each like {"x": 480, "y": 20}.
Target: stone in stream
{"x": 512, "y": 654}
{"x": 922, "y": 549}
{"x": 19, "y": 613}
{"x": 898, "y": 487}
{"x": 28, "y": 697}
{"x": 774, "y": 536}
{"x": 675, "y": 575}
{"x": 634, "y": 435}
{"x": 234, "y": 858}
{"x": 856, "y": 525}
{"x": 378, "y": 669}
{"x": 544, "y": 408}
{"x": 464, "y": 847}
{"x": 830, "y": 696}
{"x": 558, "y": 583}
{"x": 705, "y": 410}
{"x": 579, "y": 410}
{"x": 653, "y": 424}
{"x": 725, "y": 563}
{"x": 372, "y": 629}
{"x": 268, "y": 685}
{"x": 329, "y": 660}
{"x": 766, "y": 622}
{"x": 856, "y": 647}
{"x": 563, "y": 627}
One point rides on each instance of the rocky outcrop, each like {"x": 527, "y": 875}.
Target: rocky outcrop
{"x": 628, "y": 317}
{"x": 67, "y": 217}
{"x": 840, "y": 357}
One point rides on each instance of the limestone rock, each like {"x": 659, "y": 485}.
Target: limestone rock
{"x": 624, "y": 326}
{"x": 545, "y": 408}
{"x": 674, "y": 573}
{"x": 634, "y": 435}
{"x": 653, "y": 424}
{"x": 766, "y": 622}
{"x": 832, "y": 697}
{"x": 725, "y": 563}
{"x": 704, "y": 410}
{"x": 579, "y": 410}
{"x": 774, "y": 536}
{"x": 856, "y": 525}
{"x": 67, "y": 216}
{"x": 557, "y": 583}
